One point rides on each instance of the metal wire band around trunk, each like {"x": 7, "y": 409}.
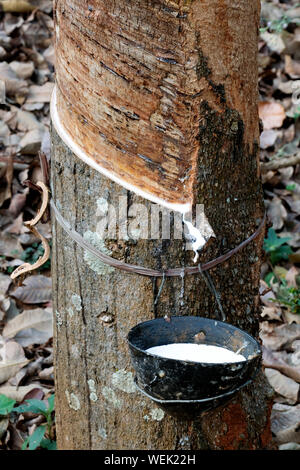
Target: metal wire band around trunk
{"x": 134, "y": 269}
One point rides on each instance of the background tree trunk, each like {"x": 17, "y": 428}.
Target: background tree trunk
{"x": 97, "y": 406}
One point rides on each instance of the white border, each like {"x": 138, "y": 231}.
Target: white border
{"x": 77, "y": 150}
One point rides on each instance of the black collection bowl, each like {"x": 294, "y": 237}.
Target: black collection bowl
{"x": 185, "y": 387}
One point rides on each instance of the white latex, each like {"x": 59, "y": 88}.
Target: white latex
{"x": 196, "y": 353}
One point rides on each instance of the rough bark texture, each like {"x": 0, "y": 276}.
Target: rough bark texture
{"x": 97, "y": 406}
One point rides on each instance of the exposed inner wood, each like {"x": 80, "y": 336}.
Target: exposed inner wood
{"x": 132, "y": 77}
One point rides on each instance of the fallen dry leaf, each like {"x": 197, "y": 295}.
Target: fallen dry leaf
{"x": 5, "y": 282}
{"x": 36, "y": 393}
{"x": 289, "y": 86}
{"x": 17, "y": 226}
{"x": 295, "y": 206}
{"x": 37, "y": 318}
{"x": 271, "y": 313}
{"x": 12, "y": 360}
{"x": 290, "y": 317}
{"x": 273, "y": 41}
{"x": 268, "y": 138}
{"x": 291, "y": 276}
{"x": 18, "y": 393}
{"x": 280, "y": 272}
{"x": 26, "y": 121}
{"x": 280, "y": 336}
{"x": 23, "y": 70}
{"x": 35, "y": 290}
{"x": 40, "y": 94}
{"x": 17, "y": 203}
{"x": 292, "y": 67}
{"x": 289, "y": 446}
{"x": 285, "y": 423}
{"x": 30, "y": 327}
{"x": 294, "y": 238}
{"x": 277, "y": 362}
{"x": 12, "y": 22}
{"x": 4, "y": 422}
{"x": 18, "y": 378}
{"x": 8, "y": 305}
{"x": 10, "y": 246}
{"x": 31, "y": 143}
{"x": 14, "y": 438}
{"x": 294, "y": 358}
{"x": 284, "y": 386}
{"x": 13, "y": 84}
{"x": 267, "y": 296}
{"x": 272, "y": 114}
{"x": 33, "y": 369}
{"x": 50, "y": 55}
{"x": 47, "y": 374}
{"x": 276, "y": 212}
{"x": 43, "y": 5}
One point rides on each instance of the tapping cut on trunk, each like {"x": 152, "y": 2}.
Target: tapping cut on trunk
{"x": 133, "y": 79}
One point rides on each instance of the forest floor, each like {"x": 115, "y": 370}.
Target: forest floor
{"x": 26, "y": 83}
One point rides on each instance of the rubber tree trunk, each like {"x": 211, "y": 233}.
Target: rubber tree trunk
{"x": 97, "y": 405}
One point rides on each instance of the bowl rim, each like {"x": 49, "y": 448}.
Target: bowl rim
{"x": 205, "y": 364}
{"x": 194, "y": 401}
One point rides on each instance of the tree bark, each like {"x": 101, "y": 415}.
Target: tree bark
{"x": 97, "y": 405}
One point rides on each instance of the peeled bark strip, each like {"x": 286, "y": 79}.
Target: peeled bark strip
{"x": 212, "y": 100}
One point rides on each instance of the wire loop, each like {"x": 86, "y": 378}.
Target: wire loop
{"x": 209, "y": 282}
{"x": 160, "y": 288}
